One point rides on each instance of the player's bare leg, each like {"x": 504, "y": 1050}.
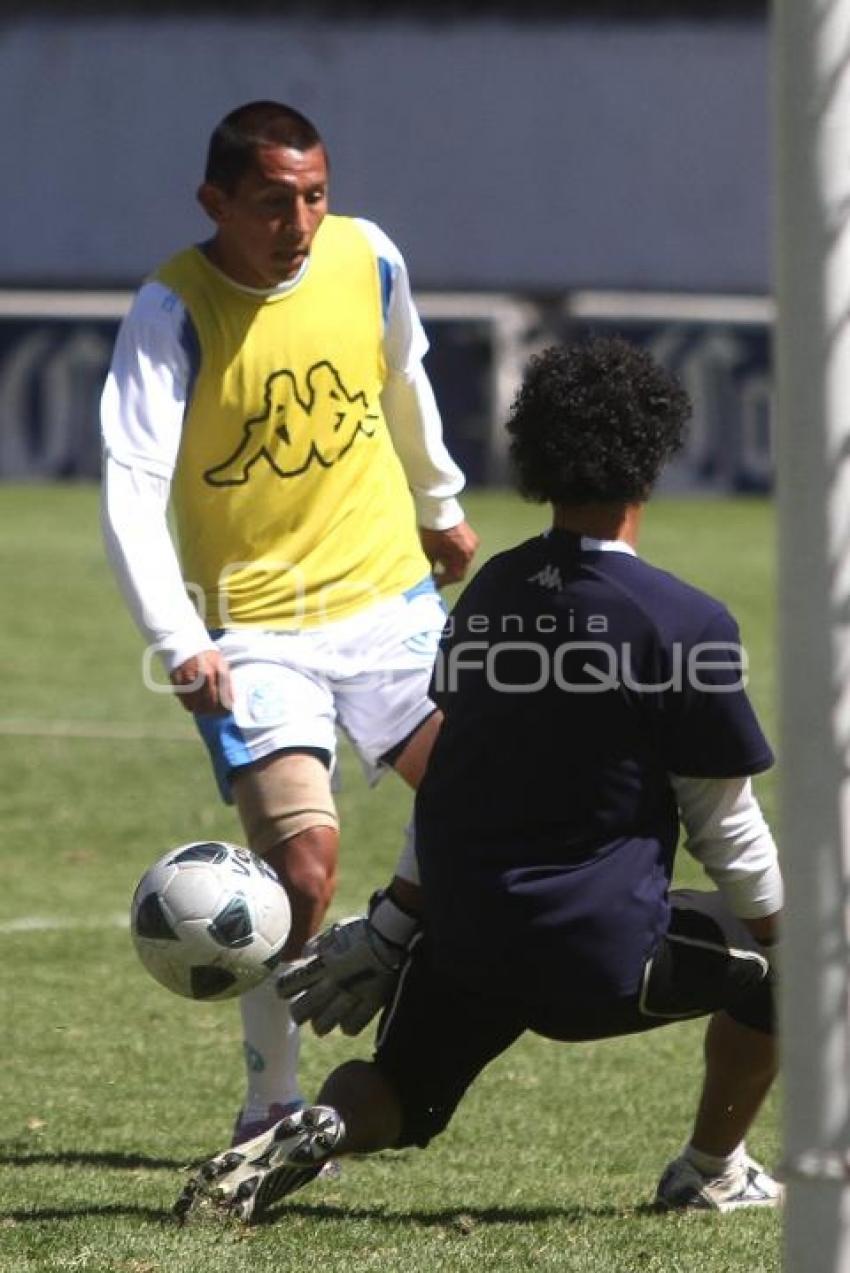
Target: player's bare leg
{"x": 740, "y": 1066}
{"x": 281, "y": 795}
{"x": 288, "y": 813}
{"x": 306, "y": 865}
{"x": 715, "y": 1172}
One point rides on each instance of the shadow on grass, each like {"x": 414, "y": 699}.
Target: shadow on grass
{"x": 86, "y": 1158}
{"x": 42, "y": 1215}
{"x": 461, "y": 1218}
{"x": 90, "y": 1158}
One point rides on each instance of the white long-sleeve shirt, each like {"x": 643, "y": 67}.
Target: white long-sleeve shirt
{"x": 727, "y": 834}
{"x": 143, "y": 406}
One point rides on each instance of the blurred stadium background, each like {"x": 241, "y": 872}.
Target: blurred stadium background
{"x": 545, "y": 167}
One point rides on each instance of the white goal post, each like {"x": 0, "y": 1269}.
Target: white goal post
{"x": 812, "y": 115}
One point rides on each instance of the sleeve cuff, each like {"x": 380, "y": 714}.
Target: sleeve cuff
{"x": 183, "y": 644}
{"x": 755, "y": 895}
{"x": 435, "y": 513}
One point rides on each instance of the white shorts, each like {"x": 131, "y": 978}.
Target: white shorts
{"x": 369, "y": 675}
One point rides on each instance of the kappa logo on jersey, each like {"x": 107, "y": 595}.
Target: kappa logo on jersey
{"x": 548, "y": 577}
{"x": 295, "y": 431}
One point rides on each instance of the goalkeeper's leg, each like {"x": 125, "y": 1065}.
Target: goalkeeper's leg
{"x": 714, "y": 1170}
{"x": 740, "y": 1065}
{"x": 368, "y": 1104}
{"x": 243, "y": 1181}
{"x": 406, "y": 1096}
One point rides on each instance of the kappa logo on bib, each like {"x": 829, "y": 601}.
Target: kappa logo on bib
{"x": 295, "y": 430}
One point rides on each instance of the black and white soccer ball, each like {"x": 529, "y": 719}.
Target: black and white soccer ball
{"x": 209, "y": 920}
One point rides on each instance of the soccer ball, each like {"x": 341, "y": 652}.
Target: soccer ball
{"x": 209, "y": 920}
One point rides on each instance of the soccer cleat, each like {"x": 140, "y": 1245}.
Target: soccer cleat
{"x": 682, "y": 1186}
{"x": 242, "y": 1182}
{"x": 249, "y": 1128}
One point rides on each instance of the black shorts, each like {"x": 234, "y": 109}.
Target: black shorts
{"x": 436, "y": 1036}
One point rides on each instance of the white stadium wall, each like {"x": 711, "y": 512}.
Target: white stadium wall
{"x": 542, "y": 177}
{"x": 542, "y": 156}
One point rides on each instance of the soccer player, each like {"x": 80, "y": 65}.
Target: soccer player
{"x": 269, "y": 381}
{"x": 592, "y": 704}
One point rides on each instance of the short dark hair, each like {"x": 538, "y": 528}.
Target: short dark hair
{"x": 595, "y": 422}
{"x": 236, "y": 138}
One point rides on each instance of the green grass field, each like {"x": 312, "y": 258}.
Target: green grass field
{"x": 110, "y": 1086}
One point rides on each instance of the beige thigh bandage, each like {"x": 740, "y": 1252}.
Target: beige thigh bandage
{"x": 282, "y": 796}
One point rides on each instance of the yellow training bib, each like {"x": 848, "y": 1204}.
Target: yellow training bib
{"x": 292, "y": 506}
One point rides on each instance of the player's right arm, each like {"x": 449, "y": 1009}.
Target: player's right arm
{"x": 142, "y": 409}
{"x": 415, "y": 425}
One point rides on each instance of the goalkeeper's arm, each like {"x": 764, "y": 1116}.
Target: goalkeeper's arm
{"x": 728, "y": 835}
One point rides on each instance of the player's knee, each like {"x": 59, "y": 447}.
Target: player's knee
{"x": 306, "y": 864}
{"x": 288, "y": 812}
{"x": 384, "y": 1107}
{"x": 368, "y": 1103}
{"x": 306, "y": 867}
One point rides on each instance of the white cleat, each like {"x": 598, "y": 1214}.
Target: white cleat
{"x": 242, "y": 1182}
{"x": 682, "y": 1186}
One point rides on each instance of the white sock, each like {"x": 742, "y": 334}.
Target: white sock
{"x": 272, "y": 1045}
{"x": 711, "y": 1164}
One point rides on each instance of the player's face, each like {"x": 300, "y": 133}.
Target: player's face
{"x": 266, "y": 225}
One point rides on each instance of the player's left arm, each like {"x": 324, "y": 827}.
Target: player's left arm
{"x": 715, "y": 745}
{"x": 415, "y": 425}
{"x": 728, "y": 835}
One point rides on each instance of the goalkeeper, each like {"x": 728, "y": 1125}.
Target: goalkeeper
{"x": 593, "y": 705}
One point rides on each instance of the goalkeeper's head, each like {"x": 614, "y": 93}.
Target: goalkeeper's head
{"x": 595, "y": 423}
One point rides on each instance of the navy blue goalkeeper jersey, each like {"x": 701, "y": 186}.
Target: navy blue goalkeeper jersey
{"x": 574, "y": 681}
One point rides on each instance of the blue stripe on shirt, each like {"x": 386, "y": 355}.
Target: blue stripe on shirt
{"x": 421, "y": 588}
{"x": 191, "y": 346}
{"x": 386, "y": 272}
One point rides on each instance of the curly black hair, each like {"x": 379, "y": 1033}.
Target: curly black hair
{"x": 595, "y": 422}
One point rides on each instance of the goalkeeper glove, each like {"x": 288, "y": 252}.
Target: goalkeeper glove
{"x": 347, "y": 973}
